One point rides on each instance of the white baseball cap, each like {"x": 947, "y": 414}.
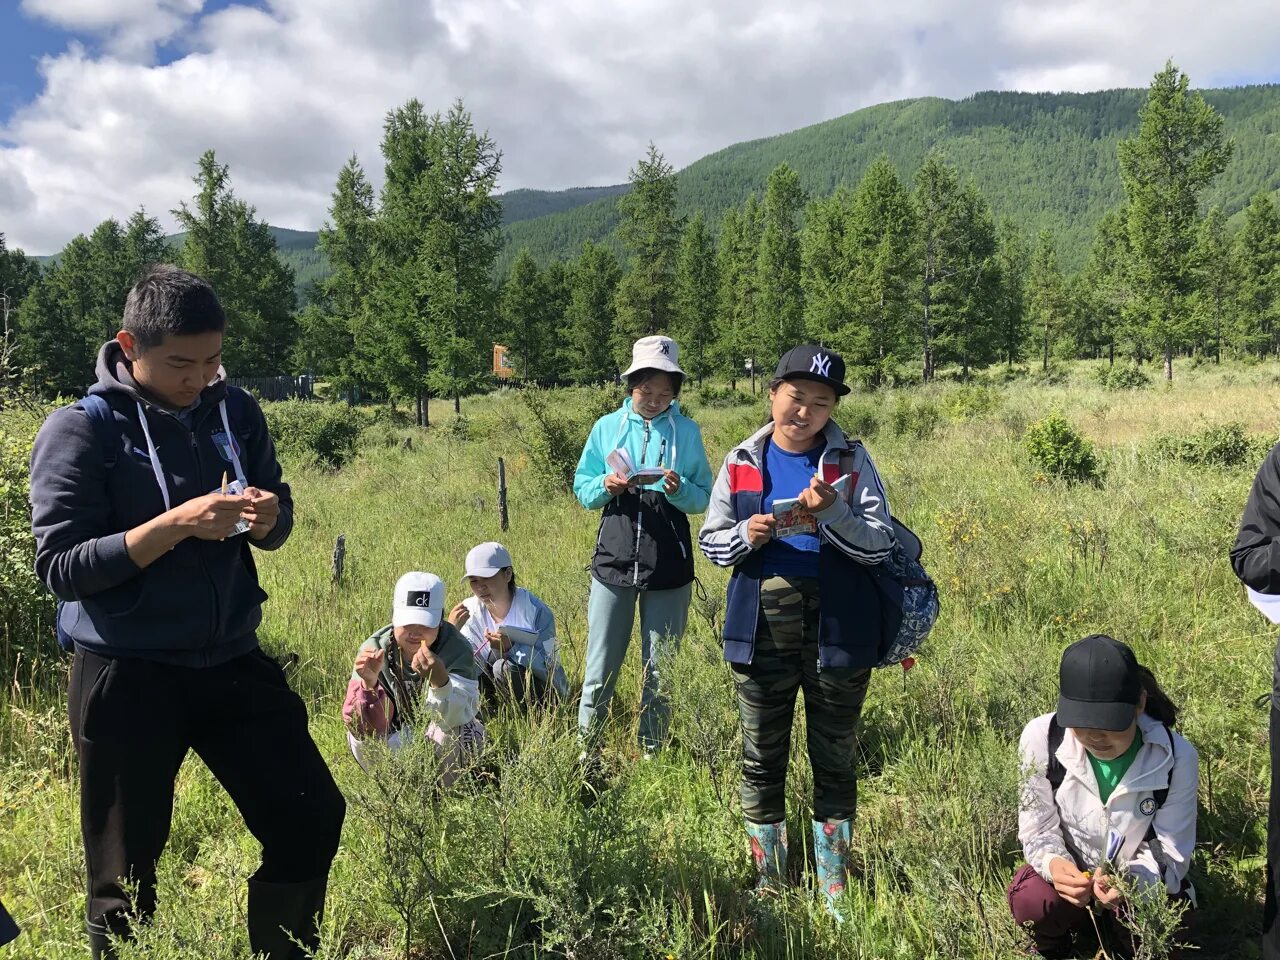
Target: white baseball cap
{"x": 487, "y": 559}
{"x": 419, "y": 599}
{"x": 654, "y": 353}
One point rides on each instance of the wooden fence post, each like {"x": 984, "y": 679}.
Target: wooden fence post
{"x": 339, "y": 557}
{"x": 502, "y": 493}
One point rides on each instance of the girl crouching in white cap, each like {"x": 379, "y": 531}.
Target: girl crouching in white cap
{"x": 512, "y": 633}
{"x": 418, "y": 668}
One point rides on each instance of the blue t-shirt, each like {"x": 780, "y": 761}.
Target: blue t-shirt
{"x": 785, "y": 475}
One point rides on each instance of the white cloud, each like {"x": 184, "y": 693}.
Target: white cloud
{"x": 572, "y": 90}
{"x": 130, "y": 28}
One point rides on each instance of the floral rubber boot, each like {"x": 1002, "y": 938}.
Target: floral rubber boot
{"x": 831, "y": 841}
{"x": 768, "y": 852}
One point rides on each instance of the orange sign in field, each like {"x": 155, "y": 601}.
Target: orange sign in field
{"x": 501, "y": 363}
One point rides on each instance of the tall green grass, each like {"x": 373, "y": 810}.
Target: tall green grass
{"x": 513, "y": 863}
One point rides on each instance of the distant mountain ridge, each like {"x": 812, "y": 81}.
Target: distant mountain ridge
{"x": 1046, "y": 160}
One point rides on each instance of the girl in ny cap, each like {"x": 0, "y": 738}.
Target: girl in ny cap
{"x": 644, "y": 551}
{"x": 509, "y": 669}
{"x": 803, "y": 611}
{"x": 1110, "y": 787}
{"x": 416, "y": 669}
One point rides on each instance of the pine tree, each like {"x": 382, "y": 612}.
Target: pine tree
{"x": 1106, "y": 288}
{"x": 525, "y": 323}
{"x": 396, "y": 329}
{"x": 333, "y": 341}
{"x": 780, "y": 303}
{"x": 1013, "y": 260}
{"x": 650, "y": 232}
{"x": 236, "y": 253}
{"x": 827, "y": 261}
{"x": 1178, "y": 151}
{"x": 736, "y": 267}
{"x": 1217, "y": 281}
{"x": 1046, "y": 295}
{"x": 1257, "y": 252}
{"x": 589, "y": 319}
{"x": 457, "y": 252}
{"x": 696, "y": 295}
{"x": 883, "y": 249}
{"x": 970, "y": 334}
{"x": 942, "y": 250}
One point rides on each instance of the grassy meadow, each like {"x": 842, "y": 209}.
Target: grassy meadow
{"x": 511, "y": 863}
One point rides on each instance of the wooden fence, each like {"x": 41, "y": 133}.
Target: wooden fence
{"x": 277, "y": 388}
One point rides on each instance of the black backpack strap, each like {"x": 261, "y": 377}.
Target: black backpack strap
{"x": 1161, "y": 795}
{"x": 1055, "y": 772}
{"x": 103, "y": 421}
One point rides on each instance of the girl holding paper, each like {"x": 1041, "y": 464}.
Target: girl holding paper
{"x": 644, "y": 551}
{"x": 1110, "y": 790}
{"x": 511, "y": 631}
{"x": 803, "y": 611}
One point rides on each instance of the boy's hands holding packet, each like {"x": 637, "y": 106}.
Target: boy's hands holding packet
{"x": 615, "y": 485}
{"x": 262, "y": 512}
{"x": 213, "y": 516}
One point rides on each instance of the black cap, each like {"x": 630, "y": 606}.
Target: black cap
{"x": 1098, "y": 685}
{"x": 810, "y": 362}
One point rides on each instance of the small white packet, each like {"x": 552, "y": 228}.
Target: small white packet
{"x": 235, "y": 489}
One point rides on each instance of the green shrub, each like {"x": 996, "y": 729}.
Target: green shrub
{"x": 1128, "y": 376}
{"x": 859, "y": 416}
{"x": 918, "y": 419}
{"x": 1226, "y": 445}
{"x": 1061, "y": 451}
{"x": 559, "y": 429}
{"x": 709, "y": 395}
{"x": 25, "y": 608}
{"x": 970, "y": 402}
{"x": 314, "y": 432}
{"x": 1055, "y": 376}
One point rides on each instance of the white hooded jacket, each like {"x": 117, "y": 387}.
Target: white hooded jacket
{"x": 1076, "y": 825}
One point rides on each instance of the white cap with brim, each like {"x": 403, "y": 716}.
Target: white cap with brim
{"x": 419, "y": 599}
{"x": 654, "y": 353}
{"x": 487, "y": 560}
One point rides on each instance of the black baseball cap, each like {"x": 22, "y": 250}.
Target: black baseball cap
{"x": 811, "y": 362}
{"x": 1098, "y": 685}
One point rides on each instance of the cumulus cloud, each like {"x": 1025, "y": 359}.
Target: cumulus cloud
{"x": 572, "y": 90}
{"x": 130, "y": 28}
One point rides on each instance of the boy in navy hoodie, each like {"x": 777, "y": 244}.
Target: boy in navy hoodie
{"x": 154, "y": 563}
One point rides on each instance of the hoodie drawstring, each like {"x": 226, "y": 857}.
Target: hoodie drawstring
{"x": 158, "y": 469}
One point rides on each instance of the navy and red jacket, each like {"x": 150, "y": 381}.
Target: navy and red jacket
{"x": 855, "y": 536}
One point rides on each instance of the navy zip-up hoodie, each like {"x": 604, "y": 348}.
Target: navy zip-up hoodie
{"x": 198, "y": 605}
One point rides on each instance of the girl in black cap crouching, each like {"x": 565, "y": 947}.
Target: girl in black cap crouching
{"x": 1110, "y": 793}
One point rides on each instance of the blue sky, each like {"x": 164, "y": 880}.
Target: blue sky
{"x": 572, "y": 90}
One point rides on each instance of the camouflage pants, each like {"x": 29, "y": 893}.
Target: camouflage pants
{"x": 786, "y": 661}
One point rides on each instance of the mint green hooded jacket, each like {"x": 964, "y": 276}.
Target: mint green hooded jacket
{"x": 644, "y": 539}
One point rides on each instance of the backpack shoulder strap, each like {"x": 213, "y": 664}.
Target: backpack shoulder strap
{"x": 102, "y": 419}
{"x": 1055, "y": 772}
{"x": 1161, "y": 795}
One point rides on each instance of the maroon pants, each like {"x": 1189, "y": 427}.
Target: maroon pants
{"x": 1039, "y": 909}
{"x": 1051, "y": 921}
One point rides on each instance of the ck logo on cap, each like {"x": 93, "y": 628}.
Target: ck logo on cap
{"x": 1148, "y": 806}
{"x": 821, "y": 365}
{"x": 665, "y": 347}
{"x": 418, "y": 598}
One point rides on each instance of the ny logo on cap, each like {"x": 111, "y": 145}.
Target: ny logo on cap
{"x": 665, "y": 347}
{"x": 821, "y": 365}
{"x": 418, "y": 598}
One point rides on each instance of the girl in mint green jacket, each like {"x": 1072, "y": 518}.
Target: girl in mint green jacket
{"x": 644, "y": 549}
